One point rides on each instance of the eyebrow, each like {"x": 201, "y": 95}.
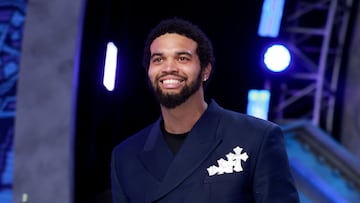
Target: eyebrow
{"x": 184, "y": 53}
{"x": 177, "y": 53}
{"x": 155, "y": 54}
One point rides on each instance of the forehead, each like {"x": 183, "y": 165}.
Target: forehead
{"x": 172, "y": 41}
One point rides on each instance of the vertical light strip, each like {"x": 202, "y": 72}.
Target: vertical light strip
{"x": 110, "y": 66}
{"x": 270, "y": 20}
{"x": 258, "y": 103}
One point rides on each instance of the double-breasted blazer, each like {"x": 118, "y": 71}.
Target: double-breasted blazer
{"x": 227, "y": 157}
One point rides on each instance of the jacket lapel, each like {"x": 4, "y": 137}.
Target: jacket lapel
{"x": 156, "y": 156}
{"x": 199, "y": 144}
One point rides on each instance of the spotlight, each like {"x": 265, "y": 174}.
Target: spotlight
{"x": 277, "y": 58}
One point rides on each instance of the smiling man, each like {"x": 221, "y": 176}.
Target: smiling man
{"x": 197, "y": 151}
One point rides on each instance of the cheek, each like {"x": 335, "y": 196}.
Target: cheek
{"x": 194, "y": 72}
{"x": 151, "y": 74}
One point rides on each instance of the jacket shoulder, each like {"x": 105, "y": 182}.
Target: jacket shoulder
{"x": 248, "y": 121}
{"x": 134, "y": 142}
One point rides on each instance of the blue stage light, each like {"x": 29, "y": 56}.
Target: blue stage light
{"x": 270, "y": 19}
{"x": 258, "y": 103}
{"x": 277, "y": 58}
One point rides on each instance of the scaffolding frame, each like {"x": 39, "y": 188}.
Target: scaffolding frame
{"x": 315, "y": 32}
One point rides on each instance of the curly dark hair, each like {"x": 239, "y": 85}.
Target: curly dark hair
{"x": 183, "y": 27}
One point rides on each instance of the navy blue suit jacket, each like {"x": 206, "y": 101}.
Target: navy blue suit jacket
{"x": 144, "y": 170}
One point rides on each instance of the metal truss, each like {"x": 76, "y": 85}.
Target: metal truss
{"x": 315, "y": 31}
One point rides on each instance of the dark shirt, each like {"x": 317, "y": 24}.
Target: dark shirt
{"x": 174, "y": 141}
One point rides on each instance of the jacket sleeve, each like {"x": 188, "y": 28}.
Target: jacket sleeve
{"x": 273, "y": 181}
{"x": 118, "y": 195}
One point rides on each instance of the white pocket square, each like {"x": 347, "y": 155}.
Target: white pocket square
{"x": 231, "y": 165}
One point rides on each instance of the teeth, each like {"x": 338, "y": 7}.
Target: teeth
{"x": 171, "y": 81}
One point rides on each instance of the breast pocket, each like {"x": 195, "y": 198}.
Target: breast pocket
{"x": 223, "y": 177}
{"x": 228, "y": 188}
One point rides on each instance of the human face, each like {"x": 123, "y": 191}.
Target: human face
{"x": 174, "y": 69}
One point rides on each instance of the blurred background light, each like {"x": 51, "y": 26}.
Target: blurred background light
{"x": 258, "y": 103}
{"x": 110, "y": 66}
{"x": 270, "y": 19}
{"x": 277, "y": 58}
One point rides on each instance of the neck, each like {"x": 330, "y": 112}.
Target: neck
{"x": 182, "y": 118}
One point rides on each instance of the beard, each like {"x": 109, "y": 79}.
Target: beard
{"x": 172, "y": 100}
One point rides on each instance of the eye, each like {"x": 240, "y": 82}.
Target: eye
{"x": 157, "y": 60}
{"x": 183, "y": 58}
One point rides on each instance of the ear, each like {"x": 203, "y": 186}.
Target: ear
{"x": 206, "y": 72}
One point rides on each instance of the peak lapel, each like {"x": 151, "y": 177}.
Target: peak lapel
{"x": 156, "y": 156}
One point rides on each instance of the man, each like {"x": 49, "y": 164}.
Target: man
{"x": 197, "y": 152}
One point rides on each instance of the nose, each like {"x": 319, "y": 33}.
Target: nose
{"x": 170, "y": 66}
